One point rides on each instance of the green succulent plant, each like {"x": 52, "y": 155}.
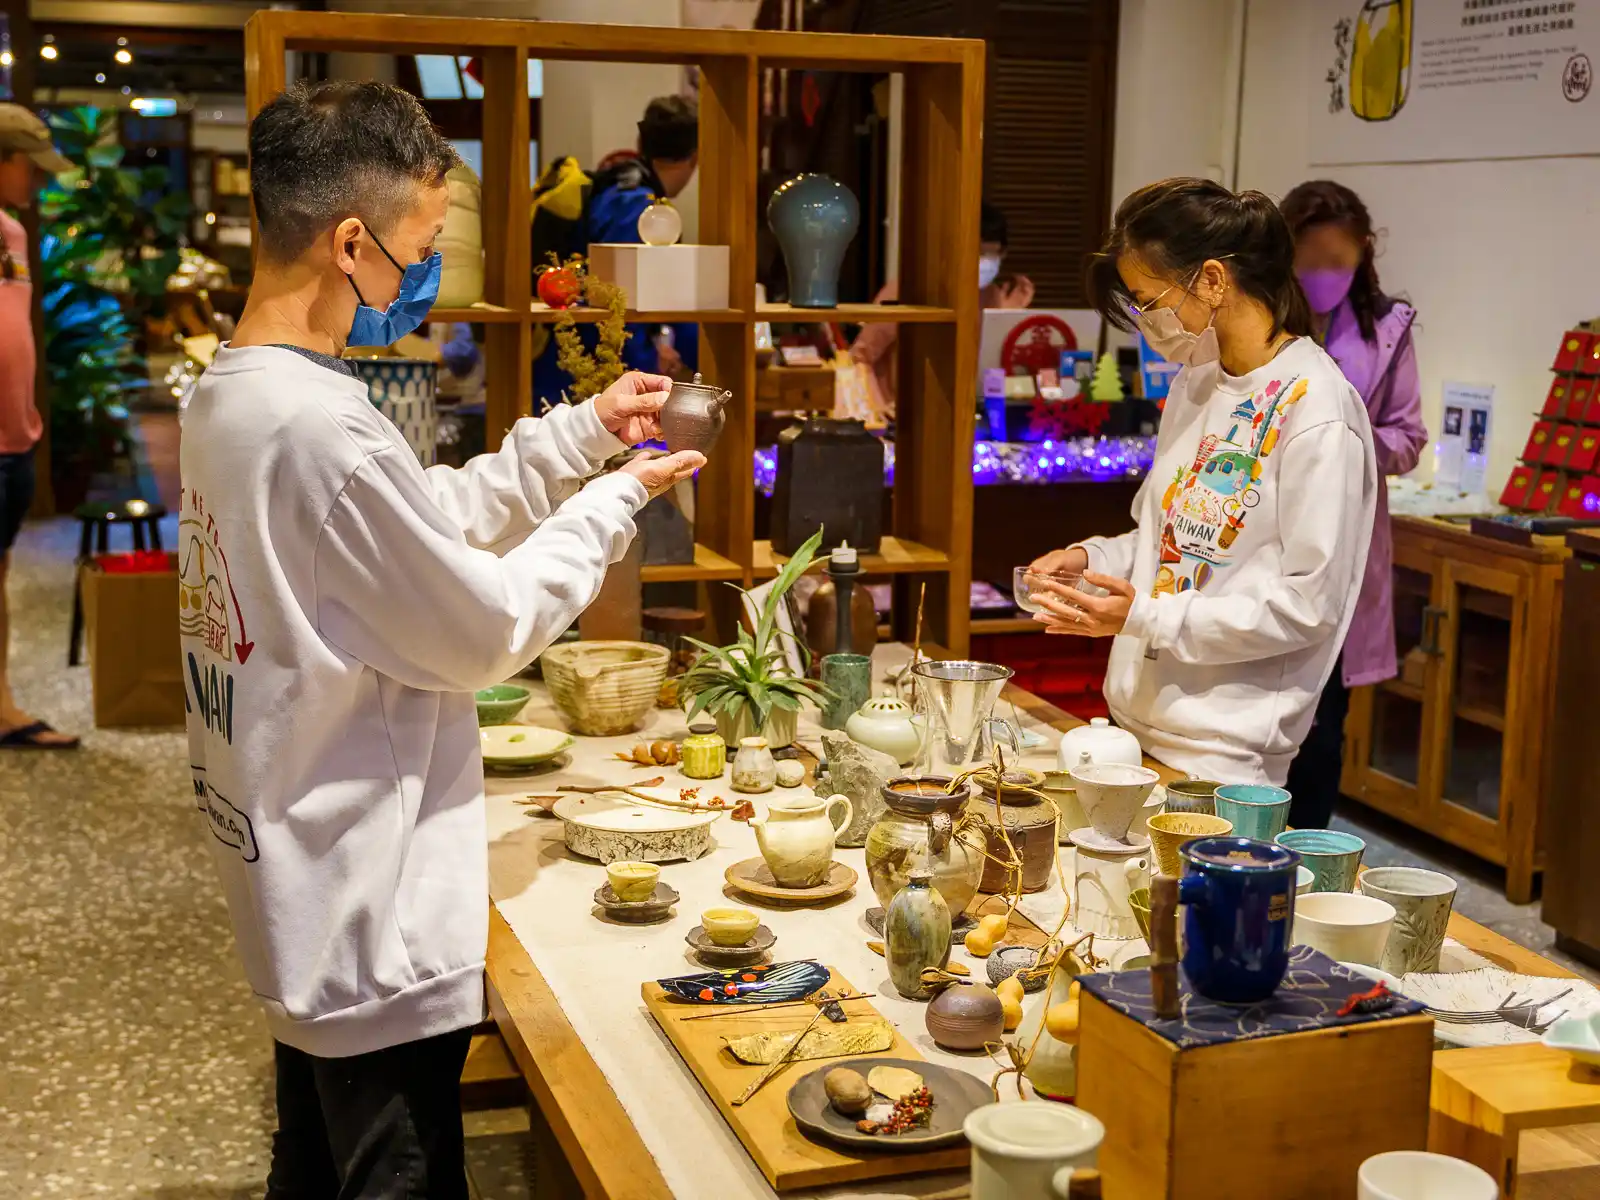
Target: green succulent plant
{"x": 754, "y": 672}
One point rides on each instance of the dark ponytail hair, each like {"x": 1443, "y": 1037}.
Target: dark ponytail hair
{"x": 1324, "y": 202}
{"x": 1176, "y": 225}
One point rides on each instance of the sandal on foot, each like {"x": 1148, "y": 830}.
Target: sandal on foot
{"x": 28, "y": 737}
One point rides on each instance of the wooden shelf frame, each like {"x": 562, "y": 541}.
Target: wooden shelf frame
{"x": 930, "y": 538}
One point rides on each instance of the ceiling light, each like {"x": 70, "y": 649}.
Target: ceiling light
{"x": 5, "y": 58}
{"x": 123, "y": 56}
{"x": 100, "y": 77}
{"x": 48, "y": 51}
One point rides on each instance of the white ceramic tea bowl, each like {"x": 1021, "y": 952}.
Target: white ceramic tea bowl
{"x": 1303, "y": 879}
{"x": 1418, "y": 1175}
{"x": 1345, "y": 926}
{"x": 1111, "y": 794}
{"x": 1578, "y": 1036}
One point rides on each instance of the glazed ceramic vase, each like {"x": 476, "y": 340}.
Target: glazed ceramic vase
{"x": 916, "y": 935}
{"x": 1029, "y": 823}
{"x": 885, "y": 724}
{"x": 754, "y": 768}
{"x": 693, "y": 415}
{"x": 917, "y": 832}
{"x": 796, "y": 837}
{"x": 704, "y": 753}
{"x": 814, "y": 219}
{"x": 405, "y": 390}
{"x": 966, "y": 1016}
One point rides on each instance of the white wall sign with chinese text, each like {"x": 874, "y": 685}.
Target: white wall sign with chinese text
{"x": 1430, "y": 80}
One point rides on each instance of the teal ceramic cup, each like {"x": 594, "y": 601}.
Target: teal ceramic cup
{"x": 1334, "y": 857}
{"x": 1257, "y": 810}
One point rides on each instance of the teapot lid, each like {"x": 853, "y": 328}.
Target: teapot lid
{"x": 886, "y": 706}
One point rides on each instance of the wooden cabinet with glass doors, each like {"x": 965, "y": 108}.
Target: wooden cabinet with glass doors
{"x": 1456, "y": 745}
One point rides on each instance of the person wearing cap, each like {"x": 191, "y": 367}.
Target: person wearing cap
{"x": 26, "y": 156}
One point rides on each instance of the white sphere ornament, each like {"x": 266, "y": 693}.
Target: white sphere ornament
{"x": 660, "y": 224}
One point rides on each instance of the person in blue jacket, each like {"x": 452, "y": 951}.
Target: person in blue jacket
{"x": 619, "y": 191}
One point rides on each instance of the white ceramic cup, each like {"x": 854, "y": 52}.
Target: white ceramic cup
{"x": 1417, "y": 1175}
{"x": 1019, "y": 1145}
{"x": 1303, "y": 879}
{"x": 1422, "y": 901}
{"x": 1345, "y": 926}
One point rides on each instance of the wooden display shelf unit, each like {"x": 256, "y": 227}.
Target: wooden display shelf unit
{"x": 931, "y": 533}
{"x": 895, "y": 556}
{"x": 1438, "y": 748}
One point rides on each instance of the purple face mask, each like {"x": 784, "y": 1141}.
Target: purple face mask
{"x": 1326, "y": 289}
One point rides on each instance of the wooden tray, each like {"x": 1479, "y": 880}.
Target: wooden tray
{"x": 786, "y": 1157}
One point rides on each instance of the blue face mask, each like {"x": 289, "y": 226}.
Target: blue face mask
{"x": 419, "y": 288}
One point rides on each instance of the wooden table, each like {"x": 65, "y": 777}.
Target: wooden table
{"x": 590, "y": 1125}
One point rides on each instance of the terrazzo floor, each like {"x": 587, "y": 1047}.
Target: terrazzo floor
{"x": 133, "y": 1061}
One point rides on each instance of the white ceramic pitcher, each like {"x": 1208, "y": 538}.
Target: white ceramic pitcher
{"x": 1104, "y": 877}
{"x": 796, "y": 838}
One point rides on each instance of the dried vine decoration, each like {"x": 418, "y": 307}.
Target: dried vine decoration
{"x": 593, "y": 373}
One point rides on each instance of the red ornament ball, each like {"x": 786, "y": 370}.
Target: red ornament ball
{"x": 560, "y": 287}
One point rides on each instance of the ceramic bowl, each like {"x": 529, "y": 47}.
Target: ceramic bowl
{"x": 633, "y": 881}
{"x": 1303, "y": 879}
{"x": 1111, "y": 793}
{"x": 521, "y": 745}
{"x": 1006, "y": 961}
{"x": 500, "y": 704}
{"x": 1578, "y": 1036}
{"x": 729, "y": 926}
{"x": 604, "y": 688}
{"x": 1169, "y": 831}
{"x": 1344, "y": 926}
{"x": 1418, "y": 1175}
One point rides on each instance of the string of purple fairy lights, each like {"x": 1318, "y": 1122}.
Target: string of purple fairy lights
{"x": 1077, "y": 460}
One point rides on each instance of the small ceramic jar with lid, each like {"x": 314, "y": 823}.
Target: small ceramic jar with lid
{"x": 887, "y": 724}
{"x": 754, "y": 768}
{"x": 704, "y": 752}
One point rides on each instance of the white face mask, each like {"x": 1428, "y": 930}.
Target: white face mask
{"x": 988, "y": 269}
{"x": 1163, "y": 331}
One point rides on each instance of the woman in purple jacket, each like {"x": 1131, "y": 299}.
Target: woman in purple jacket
{"x": 1369, "y": 335}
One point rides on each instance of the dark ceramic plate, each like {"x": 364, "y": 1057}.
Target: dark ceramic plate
{"x": 955, "y": 1094}
{"x": 769, "y": 984}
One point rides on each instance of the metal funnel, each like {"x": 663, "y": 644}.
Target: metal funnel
{"x": 955, "y": 699}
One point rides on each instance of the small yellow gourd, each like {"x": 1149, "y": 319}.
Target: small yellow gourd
{"x": 1010, "y": 986}
{"x": 978, "y": 943}
{"x": 1011, "y": 1006}
{"x": 1061, "y": 1021}
{"x": 994, "y": 925}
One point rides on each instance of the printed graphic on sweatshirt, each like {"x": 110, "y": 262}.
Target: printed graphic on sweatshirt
{"x": 1207, "y": 503}
{"x": 228, "y": 825}
{"x": 209, "y": 614}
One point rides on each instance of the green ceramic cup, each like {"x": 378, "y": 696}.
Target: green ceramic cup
{"x": 1257, "y": 810}
{"x": 850, "y": 678}
{"x": 1193, "y": 796}
{"x": 500, "y": 704}
{"x": 1334, "y": 857}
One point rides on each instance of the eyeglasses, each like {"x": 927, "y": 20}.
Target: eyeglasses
{"x": 1139, "y": 310}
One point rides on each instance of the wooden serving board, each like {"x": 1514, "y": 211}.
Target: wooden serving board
{"x": 786, "y": 1156}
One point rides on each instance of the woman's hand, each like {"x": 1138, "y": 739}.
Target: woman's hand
{"x": 630, "y": 408}
{"x": 1074, "y": 560}
{"x": 1067, "y": 610}
{"x": 659, "y": 474}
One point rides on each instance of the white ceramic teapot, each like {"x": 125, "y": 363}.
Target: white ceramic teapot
{"x": 1097, "y": 743}
{"x": 796, "y": 838}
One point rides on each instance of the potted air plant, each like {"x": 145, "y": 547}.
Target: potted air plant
{"x": 750, "y": 687}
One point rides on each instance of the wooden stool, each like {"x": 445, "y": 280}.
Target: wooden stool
{"x": 142, "y": 519}
{"x": 1483, "y": 1098}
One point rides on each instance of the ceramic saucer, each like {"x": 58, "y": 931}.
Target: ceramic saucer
{"x": 960, "y": 925}
{"x": 1091, "y": 838}
{"x": 515, "y": 747}
{"x": 754, "y": 878}
{"x": 637, "y": 912}
{"x": 714, "y": 955}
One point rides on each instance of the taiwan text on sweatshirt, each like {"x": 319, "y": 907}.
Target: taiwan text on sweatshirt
{"x": 1253, "y": 528}
{"x": 338, "y": 606}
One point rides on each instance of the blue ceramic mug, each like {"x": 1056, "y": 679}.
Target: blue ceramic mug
{"x": 1238, "y": 909}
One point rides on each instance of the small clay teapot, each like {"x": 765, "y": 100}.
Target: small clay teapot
{"x": 693, "y": 415}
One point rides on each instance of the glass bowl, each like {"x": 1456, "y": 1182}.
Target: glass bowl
{"x": 1024, "y": 582}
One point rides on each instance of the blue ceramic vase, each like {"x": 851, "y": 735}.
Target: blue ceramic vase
{"x": 405, "y": 390}
{"x": 1238, "y": 910}
{"x": 916, "y": 935}
{"x": 814, "y": 218}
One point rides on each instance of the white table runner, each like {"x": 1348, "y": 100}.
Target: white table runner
{"x": 595, "y": 968}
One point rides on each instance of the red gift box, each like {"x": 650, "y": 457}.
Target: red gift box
{"x": 1590, "y": 365}
{"x": 1519, "y": 487}
{"x": 1561, "y": 443}
{"x": 1555, "y": 400}
{"x": 1538, "y": 446}
{"x": 1585, "y": 449}
{"x": 1572, "y": 494}
{"x": 1547, "y": 492}
{"x": 1577, "y": 348}
{"x": 1582, "y": 401}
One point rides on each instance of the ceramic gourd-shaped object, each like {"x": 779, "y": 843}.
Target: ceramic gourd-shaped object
{"x": 916, "y": 935}
{"x": 815, "y": 219}
{"x": 693, "y": 415}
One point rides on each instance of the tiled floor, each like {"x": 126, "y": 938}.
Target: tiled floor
{"x": 133, "y": 1061}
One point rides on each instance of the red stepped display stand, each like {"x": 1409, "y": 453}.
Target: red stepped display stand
{"x": 1560, "y": 469}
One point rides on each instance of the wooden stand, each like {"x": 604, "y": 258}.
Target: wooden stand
{"x": 938, "y": 342}
{"x": 1265, "y": 1119}
{"x": 1456, "y": 745}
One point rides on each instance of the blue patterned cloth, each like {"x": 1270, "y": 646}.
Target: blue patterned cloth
{"x": 1313, "y": 991}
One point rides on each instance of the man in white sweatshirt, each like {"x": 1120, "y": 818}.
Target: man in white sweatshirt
{"x": 338, "y": 604}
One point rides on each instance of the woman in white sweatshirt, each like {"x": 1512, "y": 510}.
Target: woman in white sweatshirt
{"x": 1230, "y": 598}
